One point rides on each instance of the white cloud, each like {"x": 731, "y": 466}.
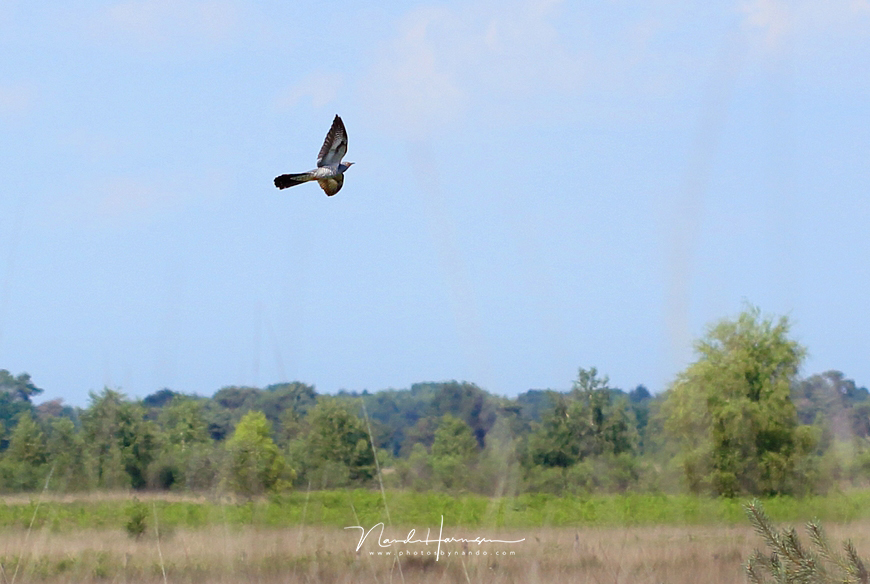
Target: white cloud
{"x": 118, "y": 201}
{"x": 793, "y": 24}
{"x": 15, "y": 100}
{"x": 522, "y": 59}
{"x": 411, "y": 87}
{"x": 772, "y": 18}
{"x": 124, "y": 199}
{"x": 486, "y": 56}
{"x": 520, "y": 48}
{"x": 320, "y": 88}
{"x": 163, "y": 24}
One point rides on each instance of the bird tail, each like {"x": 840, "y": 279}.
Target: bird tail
{"x": 291, "y": 180}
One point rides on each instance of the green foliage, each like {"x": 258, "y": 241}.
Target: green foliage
{"x": 72, "y": 462}
{"x": 534, "y": 404}
{"x": 11, "y": 408}
{"x": 498, "y": 468}
{"x": 726, "y": 426}
{"x": 835, "y": 404}
{"x": 453, "y": 438}
{"x": 791, "y": 562}
{"x": 273, "y": 401}
{"x": 24, "y": 462}
{"x": 401, "y": 419}
{"x": 160, "y": 398}
{"x": 423, "y": 509}
{"x": 122, "y": 442}
{"x": 19, "y": 387}
{"x": 137, "y": 519}
{"x": 606, "y": 473}
{"x": 415, "y": 471}
{"x": 337, "y": 445}
{"x": 453, "y": 451}
{"x": 183, "y": 422}
{"x": 255, "y": 464}
{"x": 731, "y": 411}
{"x": 187, "y": 457}
{"x": 27, "y": 443}
{"x": 587, "y": 422}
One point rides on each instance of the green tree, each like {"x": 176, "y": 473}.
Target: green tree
{"x": 453, "y": 451}
{"x": 338, "y": 444}
{"x": 25, "y": 460}
{"x": 731, "y": 410}
{"x": 454, "y": 438}
{"x": 833, "y": 400}
{"x": 20, "y": 387}
{"x": 255, "y": 463}
{"x": 277, "y": 400}
{"x": 122, "y": 442}
{"x": 587, "y": 422}
{"x": 69, "y": 457}
{"x": 186, "y": 449}
{"x": 183, "y": 422}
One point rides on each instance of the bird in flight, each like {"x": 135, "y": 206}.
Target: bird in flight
{"x": 329, "y": 173}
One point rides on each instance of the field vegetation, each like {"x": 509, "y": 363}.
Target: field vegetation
{"x": 607, "y": 484}
{"x": 301, "y": 537}
{"x": 341, "y": 508}
{"x": 738, "y": 421}
{"x": 88, "y": 539}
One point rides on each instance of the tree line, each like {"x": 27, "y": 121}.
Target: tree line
{"x": 738, "y": 420}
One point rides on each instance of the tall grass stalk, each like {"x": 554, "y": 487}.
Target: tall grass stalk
{"x": 396, "y": 561}
{"x": 32, "y": 519}
{"x": 159, "y": 550}
{"x": 377, "y": 464}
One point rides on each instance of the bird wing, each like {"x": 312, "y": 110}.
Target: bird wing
{"x": 331, "y": 185}
{"x": 334, "y": 146}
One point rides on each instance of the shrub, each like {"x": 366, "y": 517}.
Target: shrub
{"x": 790, "y": 562}
{"x": 137, "y": 519}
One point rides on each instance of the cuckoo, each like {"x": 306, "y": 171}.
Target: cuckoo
{"x": 329, "y": 173}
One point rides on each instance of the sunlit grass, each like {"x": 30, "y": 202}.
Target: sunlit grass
{"x": 637, "y": 538}
{"x": 291, "y": 555}
{"x": 340, "y": 508}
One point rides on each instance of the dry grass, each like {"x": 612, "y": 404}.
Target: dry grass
{"x": 103, "y": 496}
{"x": 713, "y": 555}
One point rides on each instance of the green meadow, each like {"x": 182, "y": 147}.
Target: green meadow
{"x": 341, "y": 508}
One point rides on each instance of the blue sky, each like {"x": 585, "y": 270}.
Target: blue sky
{"x": 540, "y": 186}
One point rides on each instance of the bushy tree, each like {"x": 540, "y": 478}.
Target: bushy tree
{"x": 587, "y": 422}
{"x": 73, "y": 467}
{"x": 454, "y": 438}
{"x": 20, "y": 387}
{"x": 122, "y": 442}
{"x": 183, "y": 422}
{"x": 337, "y": 445}
{"x": 731, "y": 410}
{"x": 255, "y": 464}
{"x": 187, "y": 455}
{"x": 453, "y": 451}
{"x": 24, "y": 462}
{"x": 835, "y": 402}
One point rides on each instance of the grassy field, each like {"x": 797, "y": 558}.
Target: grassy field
{"x": 300, "y": 538}
{"x": 341, "y": 508}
